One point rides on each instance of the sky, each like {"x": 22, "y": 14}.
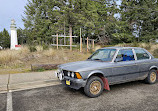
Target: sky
{"x": 14, "y": 9}
{"x": 11, "y": 9}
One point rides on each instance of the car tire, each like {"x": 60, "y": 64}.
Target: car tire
{"x": 94, "y": 87}
{"x": 152, "y": 77}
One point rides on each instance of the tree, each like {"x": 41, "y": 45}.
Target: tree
{"x": 4, "y": 39}
{"x": 22, "y": 36}
{"x": 141, "y": 18}
{"x": 1, "y": 39}
{"x": 48, "y": 17}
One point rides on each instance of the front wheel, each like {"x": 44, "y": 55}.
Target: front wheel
{"x": 94, "y": 87}
{"x": 152, "y": 77}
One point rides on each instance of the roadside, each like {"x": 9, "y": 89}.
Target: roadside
{"x": 29, "y": 80}
{"x": 20, "y": 61}
{"x": 14, "y": 70}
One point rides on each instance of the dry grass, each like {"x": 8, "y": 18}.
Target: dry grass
{"x": 15, "y": 61}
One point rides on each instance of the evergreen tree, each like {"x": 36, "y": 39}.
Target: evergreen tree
{"x": 22, "y": 36}
{"x": 5, "y": 39}
{"x": 141, "y": 19}
{"x": 1, "y": 39}
{"x": 49, "y": 17}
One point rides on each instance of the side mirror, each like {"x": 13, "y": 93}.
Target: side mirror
{"x": 118, "y": 59}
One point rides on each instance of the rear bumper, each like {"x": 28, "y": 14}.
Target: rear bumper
{"x": 74, "y": 83}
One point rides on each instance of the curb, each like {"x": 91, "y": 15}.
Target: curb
{"x": 23, "y": 81}
{"x": 32, "y": 85}
{"x": 3, "y": 89}
{"x": 29, "y": 85}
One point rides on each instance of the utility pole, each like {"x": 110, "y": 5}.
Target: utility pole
{"x": 70, "y": 32}
{"x": 93, "y": 44}
{"x": 80, "y": 40}
{"x": 64, "y": 33}
{"x": 57, "y": 40}
{"x": 87, "y": 44}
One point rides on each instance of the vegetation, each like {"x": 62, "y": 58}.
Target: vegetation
{"x": 16, "y": 61}
{"x": 4, "y": 39}
{"x": 141, "y": 18}
{"x": 103, "y": 20}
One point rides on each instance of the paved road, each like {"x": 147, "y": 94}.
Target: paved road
{"x": 3, "y": 101}
{"x": 132, "y": 96}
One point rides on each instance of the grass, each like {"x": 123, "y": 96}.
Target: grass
{"x": 17, "y": 61}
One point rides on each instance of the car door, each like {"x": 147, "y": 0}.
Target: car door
{"x": 125, "y": 67}
{"x": 143, "y": 61}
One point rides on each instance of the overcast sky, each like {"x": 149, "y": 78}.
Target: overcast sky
{"x": 13, "y": 9}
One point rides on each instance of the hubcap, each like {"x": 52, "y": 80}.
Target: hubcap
{"x": 95, "y": 87}
{"x": 153, "y": 77}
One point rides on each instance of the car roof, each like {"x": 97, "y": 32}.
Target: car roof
{"x": 122, "y": 47}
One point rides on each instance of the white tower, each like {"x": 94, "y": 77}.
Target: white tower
{"x": 14, "y": 40}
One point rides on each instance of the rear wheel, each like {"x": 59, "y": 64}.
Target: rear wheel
{"x": 152, "y": 77}
{"x": 94, "y": 87}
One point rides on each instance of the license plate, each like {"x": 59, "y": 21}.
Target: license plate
{"x": 67, "y": 82}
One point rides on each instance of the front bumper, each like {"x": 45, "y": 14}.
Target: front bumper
{"x": 74, "y": 83}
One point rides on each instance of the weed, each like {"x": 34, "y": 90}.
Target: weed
{"x": 32, "y": 48}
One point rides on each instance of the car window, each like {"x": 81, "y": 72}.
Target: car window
{"x": 141, "y": 54}
{"x": 125, "y": 55}
{"x": 103, "y": 54}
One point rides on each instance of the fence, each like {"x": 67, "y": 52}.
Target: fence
{"x": 67, "y": 41}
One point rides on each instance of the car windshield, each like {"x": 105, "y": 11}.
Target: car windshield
{"x": 103, "y": 55}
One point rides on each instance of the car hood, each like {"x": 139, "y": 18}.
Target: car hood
{"x": 84, "y": 65}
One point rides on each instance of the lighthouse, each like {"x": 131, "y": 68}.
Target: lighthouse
{"x": 13, "y": 40}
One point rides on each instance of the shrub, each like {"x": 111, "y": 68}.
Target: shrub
{"x": 135, "y": 44}
{"x": 32, "y": 49}
{"x": 45, "y": 47}
{"x": 7, "y": 56}
{"x": 155, "y": 53}
{"x": 147, "y": 46}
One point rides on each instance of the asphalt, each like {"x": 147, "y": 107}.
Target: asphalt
{"x": 133, "y": 96}
{"x": 3, "y": 101}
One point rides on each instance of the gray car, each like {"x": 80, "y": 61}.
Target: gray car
{"x": 108, "y": 66}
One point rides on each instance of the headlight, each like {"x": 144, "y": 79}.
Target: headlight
{"x": 72, "y": 74}
{"x": 68, "y": 73}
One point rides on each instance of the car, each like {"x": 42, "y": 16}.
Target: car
{"x": 108, "y": 66}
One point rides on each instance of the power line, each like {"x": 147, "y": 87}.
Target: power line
{"x": 126, "y": 6}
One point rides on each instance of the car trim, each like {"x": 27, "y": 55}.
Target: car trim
{"x": 125, "y": 74}
{"x": 153, "y": 67}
